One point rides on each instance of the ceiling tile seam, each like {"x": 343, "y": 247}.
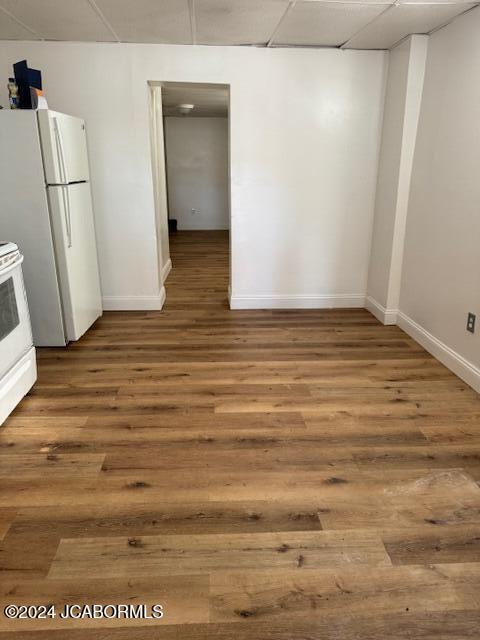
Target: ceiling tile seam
{"x": 445, "y": 24}
{"x": 304, "y": 46}
{"x": 100, "y": 15}
{"x": 193, "y": 20}
{"x": 389, "y": 3}
{"x": 434, "y": 3}
{"x": 22, "y": 24}
{"x": 365, "y": 26}
{"x": 441, "y": 26}
{"x": 409, "y": 35}
{"x": 367, "y": 3}
{"x": 402, "y": 39}
{"x": 385, "y": 3}
{"x": 289, "y": 8}
{"x": 399, "y": 2}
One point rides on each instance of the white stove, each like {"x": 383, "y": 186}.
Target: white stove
{"x": 18, "y": 370}
{"x": 8, "y": 252}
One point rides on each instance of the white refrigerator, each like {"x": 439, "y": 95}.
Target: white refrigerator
{"x": 46, "y": 209}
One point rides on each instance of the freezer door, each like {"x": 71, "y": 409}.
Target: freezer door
{"x": 24, "y": 216}
{"x": 75, "y": 248}
{"x": 64, "y": 147}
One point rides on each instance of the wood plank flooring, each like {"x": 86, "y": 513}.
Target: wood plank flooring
{"x": 264, "y": 475}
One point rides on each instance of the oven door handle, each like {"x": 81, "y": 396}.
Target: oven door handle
{"x": 13, "y": 265}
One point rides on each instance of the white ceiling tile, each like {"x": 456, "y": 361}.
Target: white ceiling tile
{"x": 368, "y": 23}
{"x": 12, "y": 30}
{"x": 402, "y": 20}
{"x": 60, "y": 19}
{"x": 163, "y": 21}
{"x": 237, "y": 21}
{"x": 325, "y": 24}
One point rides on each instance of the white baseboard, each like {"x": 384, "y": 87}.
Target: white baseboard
{"x": 339, "y": 301}
{"x": 134, "y": 303}
{"x": 464, "y": 369}
{"x": 167, "y": 267}
{"x": 386, "y": 316}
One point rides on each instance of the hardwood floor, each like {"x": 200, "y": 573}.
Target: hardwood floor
{"x": 264, "y": 475}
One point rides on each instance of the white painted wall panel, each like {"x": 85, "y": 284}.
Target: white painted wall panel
{"x": 441, "y": 273}
{"x": 305, "y": 132}
{"x": 197, "y": 170}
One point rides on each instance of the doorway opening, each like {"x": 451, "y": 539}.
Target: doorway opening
{"x": 191, "y": 166}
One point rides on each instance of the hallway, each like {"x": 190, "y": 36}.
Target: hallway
{"x": 200, "y": 276}
{"x": 264, "y": 475}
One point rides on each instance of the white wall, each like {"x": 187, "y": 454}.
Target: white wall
{"x": 441, "y": 266}
{"x": 197, "y": 172}
{"x": 305, "y": 131}
{"x": 406, "y": 71}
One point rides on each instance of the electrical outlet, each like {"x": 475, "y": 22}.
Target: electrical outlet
{"x": 194, "y": 211}
{"x": 471, "y": 322}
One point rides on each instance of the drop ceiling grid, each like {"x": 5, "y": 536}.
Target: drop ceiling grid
{"x": 166, "y": 22}
{"x": 401, "y": 20}
{"x": 237, "y": 21}
{"x": 59, "y": 19}
{"x": 362, "y": 24}
{"x": 11, "y": 28}
{"x": 327, "y": 24}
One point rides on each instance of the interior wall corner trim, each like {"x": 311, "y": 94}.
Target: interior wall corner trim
{"x": 386, "y": 316}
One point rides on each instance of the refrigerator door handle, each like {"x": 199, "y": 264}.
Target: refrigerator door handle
{"x": 68, "y": 219}
{"x": 60, "y": 153}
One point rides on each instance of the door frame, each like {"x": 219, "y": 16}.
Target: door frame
{"x": 159, "y": 175}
